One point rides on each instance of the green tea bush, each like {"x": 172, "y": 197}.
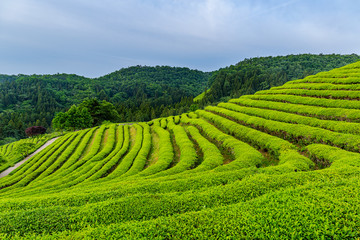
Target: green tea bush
{"x": 337, "y": 126}
{"x": 140, "y": 159}
{"x": 212, "y": 155}
{"x": 128, "y": 159}
{"x": 166, "y": 153}
{"x": 245, "y": 155}
{"x": 321, "y": 102}
{"x": 295, "y": 132}
{"x": 313, "y": 111}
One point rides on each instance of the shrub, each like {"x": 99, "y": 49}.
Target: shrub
{"x": 35, "y": 130}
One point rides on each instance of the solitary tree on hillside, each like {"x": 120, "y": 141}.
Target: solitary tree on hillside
{"x": 75, "y": 118}
{"x": 100, "y": 110}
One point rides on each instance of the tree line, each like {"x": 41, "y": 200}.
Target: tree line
{"x": 138, "y": 93}
{"x": 255, "y": 74}
{"x": 142, "y": 93}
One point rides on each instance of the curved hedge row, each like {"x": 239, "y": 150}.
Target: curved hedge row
{"x": 156, "y": 122}
{"x": 341, "y": 94}
{"x": 108, "y": 146}
{"x": 128, "y": 159}
{"x": 212, "y": 155}
{"x": 245, "y": 155}
{"x": 119, "y": 138}
{"x": 63, "y": 157}
{"x": 67, "y": 150}
{"x": 47, "y": 162}
{"x": 33, "y": 163}
{"x": 124, "y": 137}
{"x": 337, "y": 126}
{"x": 257, "y": 138}
{"x": 141, "y": 158}
{"x": 300, "y": 133}
{"x": 337, "y": 157}
{"x": 318, "y": 86}
{"x": 85, "y": 163}
{"x": 170, "y": 122}
{"x": 163, "y": 123}
{"x": 318, "y": 112}
{"x": 317, "y": 79}
{"x": 188, "y": 154}
{"x": 72, "y": 163}
{"x": 289, "y": 161}
{"x": 276, "y": 146}
{"x": 192, "y": 115}
{"x": 321, "y": 102}
{"x": 177, "y": 119}
{"x": 96, "y": 162}
{"x": 166, "y": 153}
{"x": 12, "y": 155}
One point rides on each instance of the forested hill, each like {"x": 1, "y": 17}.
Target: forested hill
{"x": 138, "y": 92}
{"x": 255, "y": 74}
{"x": 141, "y": 93}
{"x": 4, "y": 77}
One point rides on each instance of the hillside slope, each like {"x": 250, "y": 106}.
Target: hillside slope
{"x": 141, "y": 93}
{"x": 255, "y": 74}
{"x": 283, "y": 163}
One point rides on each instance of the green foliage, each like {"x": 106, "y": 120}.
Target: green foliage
{"x": 188, "y": 154}
{"x": 2, "y": 159}
{"x": 282, "y": 218}
{"x": 322, "y": 102}
{"x": 143, "y": 93}
{"x": 245, "y": 155}
{"x": 140, "y": 159}
{"x": 313, "y": 111}
{"x": 337, "y": 157}
{"x": 100, "y": 111}
{"x": 65, "y": 155}
{"x": 139, "y": 93}
{"x": 113, "y": 159}
{"x": 24, "y": 149}
{"x": 166, "y": 152}
{"x": 16, "y": 151}
{"x": 337, "y": 94}
{"x": 75, "y": 118}
{"x": 89, "y": 113}
{"x": 72, "y": 162}
{"x": 212, "y": 155}
{"x": 32, "y": 164}
{"x": 7, "y": 140}
{"x": 336, "y": 126}
{"x": 259, "y": 167}
{"x": 255, "y": 74}
{"x": 297, "y": 133}
{"x": 128, "y": 160}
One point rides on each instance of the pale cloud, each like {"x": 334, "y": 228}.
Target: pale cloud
{"x": 93, "y": 37}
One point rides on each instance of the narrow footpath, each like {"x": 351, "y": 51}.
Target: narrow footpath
{"x": 10, "y": 169}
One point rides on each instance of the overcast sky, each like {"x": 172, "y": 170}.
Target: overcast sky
{"x": 96, "y": 37}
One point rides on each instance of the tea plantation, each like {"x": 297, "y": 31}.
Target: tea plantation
{"x": 283, "y": 163}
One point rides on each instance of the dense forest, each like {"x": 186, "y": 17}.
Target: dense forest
{"x": 251, "y": 75}
{"x": 138, "y": 93}
{"x": 142, "y": 93}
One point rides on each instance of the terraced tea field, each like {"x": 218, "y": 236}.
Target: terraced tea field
{"x": 283, "y": 164}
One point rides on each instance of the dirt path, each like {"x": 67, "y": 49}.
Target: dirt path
{"x": 10, "y": 169}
